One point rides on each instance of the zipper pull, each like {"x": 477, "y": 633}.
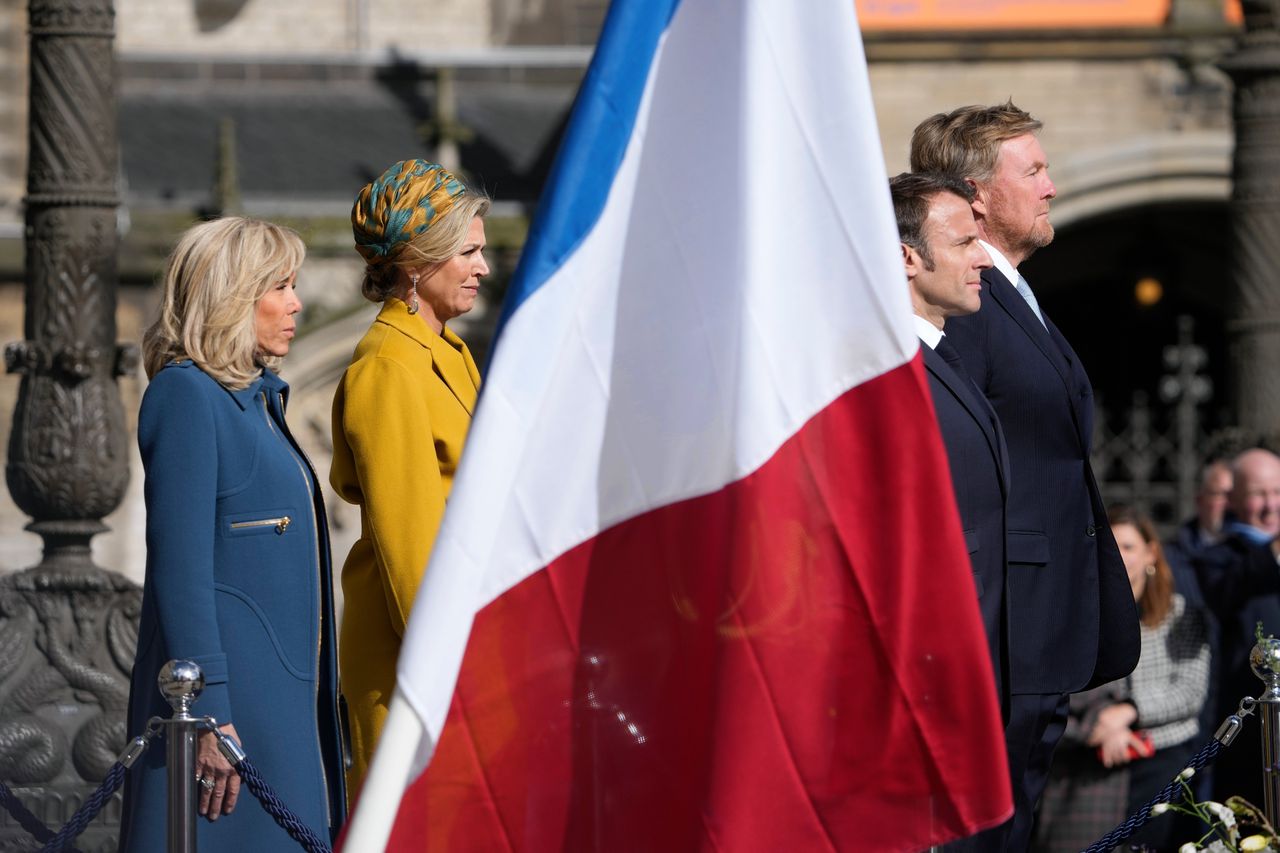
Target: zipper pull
{"x": 283, "y": 525}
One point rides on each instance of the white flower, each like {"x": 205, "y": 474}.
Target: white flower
{"x": 1222, "y": 813}
{"x": 1159, "y": 809}
{"x": 1253, "y": 844}
{"x": 1187, "y": 848}
{"x": 1187, "y": 773}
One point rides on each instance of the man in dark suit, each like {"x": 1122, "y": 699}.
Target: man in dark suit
{"x": 944, "y": 264}
{"x": 944, "y": 261}
{"x": 1073, "y": 623}
{"x": 1204, "y": 529}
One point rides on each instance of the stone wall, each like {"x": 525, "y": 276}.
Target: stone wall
{"x": 317, "y": 27}
{"x": 1086, "y": 105}
{"x": 558, "y": 22}
{"x": 13, "y": 113}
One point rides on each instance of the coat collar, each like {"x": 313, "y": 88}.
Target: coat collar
{"x": 450, "y": 359}
{"x": 267, "y": 381}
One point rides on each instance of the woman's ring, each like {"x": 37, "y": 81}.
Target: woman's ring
{"x": 206, "y": 783}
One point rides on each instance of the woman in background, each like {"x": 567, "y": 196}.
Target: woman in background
{"x": 400, "y": 414}
{"x": 238, "y": 577}
{"x": 1126, "y": 740}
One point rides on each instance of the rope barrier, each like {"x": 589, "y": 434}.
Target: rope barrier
{"x": 1221, "y": 739}
{"x": 87, "y": 812}
{"x": 1122, "y": 832}
{"x": 32, "y": 824}
{"x": 275, "y": 807}
{"x": 258, "y": 786}
{"x": 60, "y": 842}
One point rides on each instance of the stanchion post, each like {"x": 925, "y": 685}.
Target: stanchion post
{"x": 181, "y": 682}
{"x": 1265, "y": 661}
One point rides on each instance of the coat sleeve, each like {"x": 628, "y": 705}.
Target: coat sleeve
{"x": 1232, "y": 572}
{"x": 387, "y": 425}
{"x": 178, "y": 442}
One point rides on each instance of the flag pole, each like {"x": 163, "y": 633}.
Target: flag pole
{"x": 389, "y": 775}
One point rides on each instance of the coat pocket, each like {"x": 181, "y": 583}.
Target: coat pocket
{"x": 972, "y": 540}
{"x": 1028, "y": 546}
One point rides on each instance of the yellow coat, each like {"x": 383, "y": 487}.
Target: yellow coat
{"x": 400, "y": 415}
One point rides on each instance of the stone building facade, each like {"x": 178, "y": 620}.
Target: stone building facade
{"x": 304, "y": 108}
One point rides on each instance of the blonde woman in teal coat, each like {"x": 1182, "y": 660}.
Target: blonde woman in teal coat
{"x": 238, "y": 570}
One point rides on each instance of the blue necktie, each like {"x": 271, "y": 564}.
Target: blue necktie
{"x": 1024, "y": 290}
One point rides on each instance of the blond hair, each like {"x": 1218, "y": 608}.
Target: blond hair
{"x": 966, "y": 141}
{"x": 434, "y": 245}
{"x": 212, "y": 283}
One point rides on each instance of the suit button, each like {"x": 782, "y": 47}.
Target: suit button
{"x": 1090, "y": 530}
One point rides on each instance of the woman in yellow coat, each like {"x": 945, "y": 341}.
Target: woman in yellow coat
{"x": 400, "y": 415}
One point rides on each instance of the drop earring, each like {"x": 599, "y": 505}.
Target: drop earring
{"x": 413, "y": 294}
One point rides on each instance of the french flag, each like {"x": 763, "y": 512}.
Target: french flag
{"x": 701, "y": 584}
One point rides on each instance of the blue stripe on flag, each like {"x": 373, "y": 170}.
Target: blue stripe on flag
{"x": 599, "y": 129}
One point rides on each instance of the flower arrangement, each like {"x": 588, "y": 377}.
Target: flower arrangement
{"x": 1224, "y": 821}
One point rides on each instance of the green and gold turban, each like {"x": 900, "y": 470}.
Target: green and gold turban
{"x": 401, "y": 204}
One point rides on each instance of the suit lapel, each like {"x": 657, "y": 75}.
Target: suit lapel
{"x": 968, "y": 395}
{"x": 1007, "y": 296}
{"x": 1050, "y": 342}
{"x": 449, "y": 357}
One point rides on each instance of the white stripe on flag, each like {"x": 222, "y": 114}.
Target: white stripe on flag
{"x": 743, "y": 275}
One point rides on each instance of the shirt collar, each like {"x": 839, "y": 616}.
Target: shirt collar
{"x": 1001, "y": 263}
{"x": 926, "y": 331}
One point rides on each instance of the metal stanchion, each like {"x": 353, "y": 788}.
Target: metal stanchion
{"x": 181, "y": 682}
{"x": 1265, "y": 661}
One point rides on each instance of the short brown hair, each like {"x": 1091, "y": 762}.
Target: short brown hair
{"x": 966, "y": 141}
{"x": 912, "y": 194}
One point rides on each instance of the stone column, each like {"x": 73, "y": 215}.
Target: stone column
{"x": 67, "y": 628}
{"x": 1254, "y": 316}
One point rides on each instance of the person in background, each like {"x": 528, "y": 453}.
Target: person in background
{"x": 1240, "y": 581}
{"x": 1126, "y": 740}
{"x": 238, "y": 573}
{"x": 1199, "y": 533}
{"x": 1212, "y": 498}
{"x": 400, "y": 414}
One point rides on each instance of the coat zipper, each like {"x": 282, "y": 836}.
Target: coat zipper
{"x": 281, "y": 524}
{"x": 315, "y": 532}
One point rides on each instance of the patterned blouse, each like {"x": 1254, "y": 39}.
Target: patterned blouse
{"x": 1171, "y": 681}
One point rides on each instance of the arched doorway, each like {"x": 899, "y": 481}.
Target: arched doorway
{"x": 1117, "y": 283}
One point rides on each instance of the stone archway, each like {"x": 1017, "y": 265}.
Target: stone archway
{"x": 1160, "y": 168}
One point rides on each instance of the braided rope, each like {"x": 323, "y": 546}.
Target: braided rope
{"x": 87, "y": 811}
{"x": 1107, "y": 842}
{"x": 32, "y": 824}
{"x": 287, "y": 820}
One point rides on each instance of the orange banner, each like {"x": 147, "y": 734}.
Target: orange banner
{"x": 1010, "y": 14}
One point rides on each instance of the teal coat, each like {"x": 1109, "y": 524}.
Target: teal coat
{"x": 244, "y": 595}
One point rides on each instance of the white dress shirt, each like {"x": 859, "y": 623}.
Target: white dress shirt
{"x": 926, "y": 331}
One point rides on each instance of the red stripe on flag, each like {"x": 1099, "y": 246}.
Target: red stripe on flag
{"x": 795, "y": 662}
